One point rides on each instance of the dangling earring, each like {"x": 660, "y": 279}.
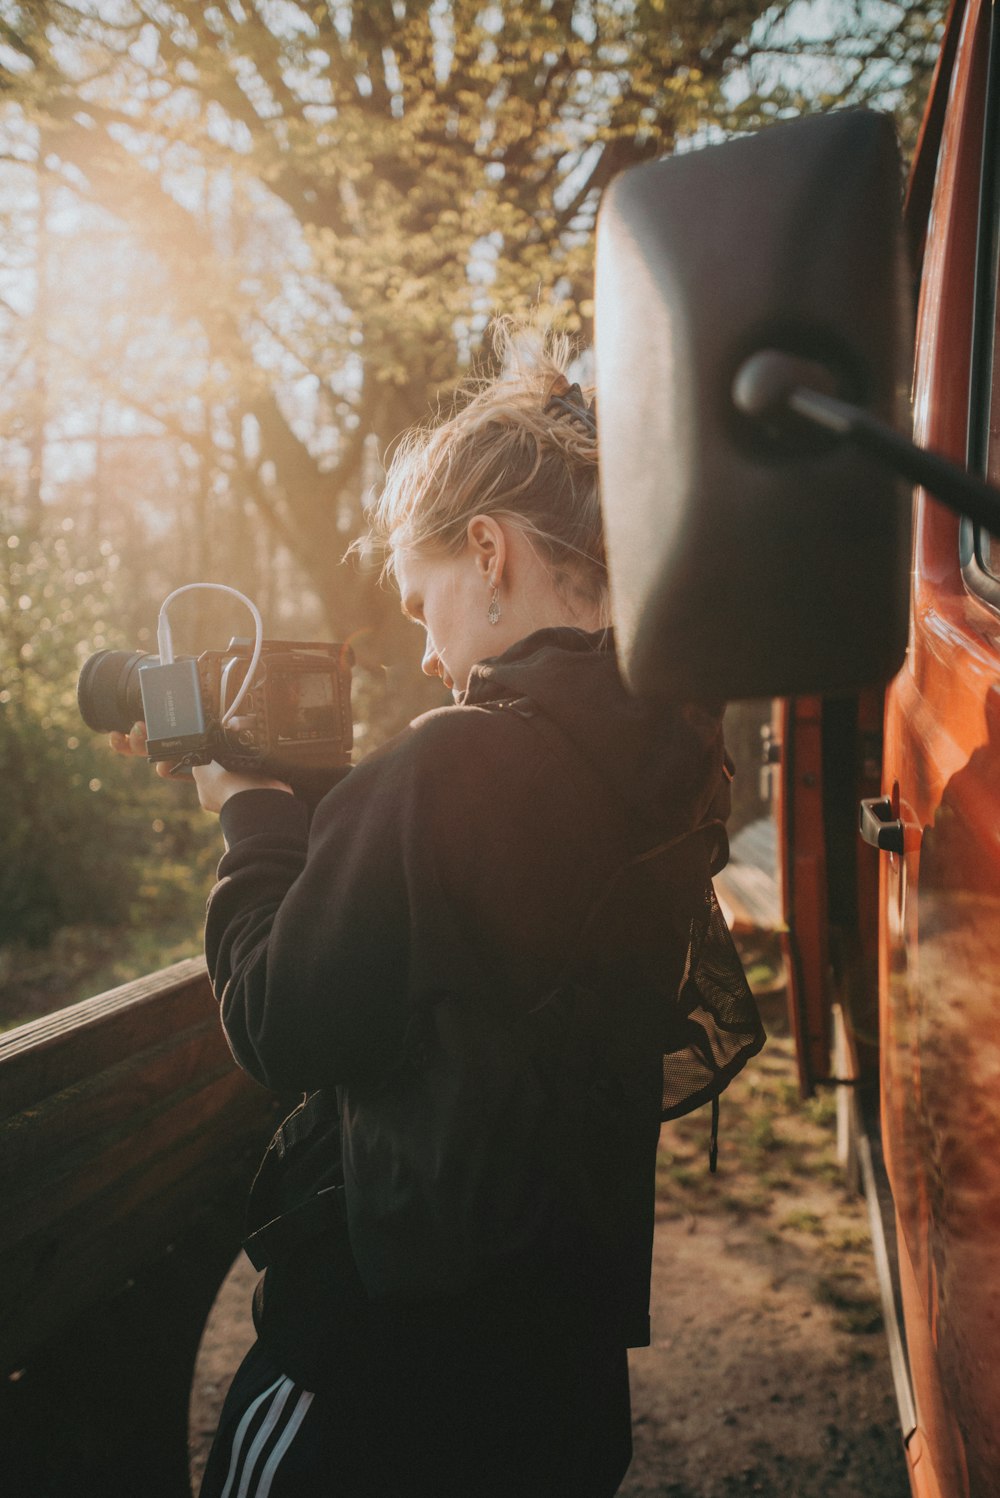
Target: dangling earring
{"x": 493, "y": 612}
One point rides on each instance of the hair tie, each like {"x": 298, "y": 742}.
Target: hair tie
{"x": 571, "y": 403}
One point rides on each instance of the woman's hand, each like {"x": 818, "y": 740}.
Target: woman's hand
{"x": 134, "y": 743}
{"x": 214, "y": 783}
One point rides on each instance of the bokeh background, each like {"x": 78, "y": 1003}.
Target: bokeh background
{"x": 245, "y": 245}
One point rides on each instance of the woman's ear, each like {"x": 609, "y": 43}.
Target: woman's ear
{"x": 488, "y": 544}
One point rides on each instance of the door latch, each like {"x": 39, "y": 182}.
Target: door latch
{"x": 878, "y": 825}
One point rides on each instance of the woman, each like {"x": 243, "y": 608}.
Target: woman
{"x": 470, "y": 963}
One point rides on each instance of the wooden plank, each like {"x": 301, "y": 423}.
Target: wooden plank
{"x": 124, "y": 1121}
{"x": 94, "y": 1113}
{"x": 56, "y": 1280}
{"x": 749, "y": 898}
{"x": 75, "y": 1016}
{"x": 121, "y": 1171}
{"x": 79, "y": 1245}
{"x": 54, "y": 1052}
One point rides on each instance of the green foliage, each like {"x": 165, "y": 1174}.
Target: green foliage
{"x": 88, "y": 837}
{"x": 306, "y": 215}
{"x": 294, "y": 222}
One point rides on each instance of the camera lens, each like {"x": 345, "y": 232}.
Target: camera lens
{"x": 108, "y": 692}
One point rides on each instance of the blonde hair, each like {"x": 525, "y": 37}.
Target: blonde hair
{"x": 506, "y": 452}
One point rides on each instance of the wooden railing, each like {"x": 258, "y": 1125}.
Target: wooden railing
{"x": 128, "y": 1138}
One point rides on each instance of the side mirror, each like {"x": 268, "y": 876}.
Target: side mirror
{"x": 754, "y": 558}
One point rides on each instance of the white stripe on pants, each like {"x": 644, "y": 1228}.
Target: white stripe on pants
{"x": 279, "y": 1394}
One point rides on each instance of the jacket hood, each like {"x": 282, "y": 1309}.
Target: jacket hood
{"x": 664, "y": 761}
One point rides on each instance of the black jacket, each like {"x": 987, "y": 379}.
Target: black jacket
{"x": 461, "y": 856}
{"x": 453, "y": 890}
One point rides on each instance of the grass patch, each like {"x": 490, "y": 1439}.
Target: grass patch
{"x": 678, "y": 1175}
{"x": 81, "y": 961}
{"x": 762, "y": 1136}
{"x": 788, "y": 1094}
{"x": 749, "y": 1203}
{"x": 855, "y": 1311}
{"x": 802, "y": 1221}
{"x": 821, "y": 1109}
{"x": 851, "y": 1240}
{"x": 860, "y": 1320}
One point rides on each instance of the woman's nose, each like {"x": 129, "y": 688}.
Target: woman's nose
{"x": 431, "y": 664}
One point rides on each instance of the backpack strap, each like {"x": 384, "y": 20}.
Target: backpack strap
{"x": 326, "y": 1212}
{"x": 714, "y": 999}
{"x": 596, "y": 794}
{"x": 602, "y": 798}
{"x": 298, "y": 1192}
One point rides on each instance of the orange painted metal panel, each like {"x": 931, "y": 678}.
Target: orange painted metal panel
{"x": 940, "y": 898}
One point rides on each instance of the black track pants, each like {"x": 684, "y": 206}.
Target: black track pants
{"x": 406, "y": 1438}
{"x": 266, "y": 1444}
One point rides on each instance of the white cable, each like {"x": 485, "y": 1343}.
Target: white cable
{"x": 165, "y": 644}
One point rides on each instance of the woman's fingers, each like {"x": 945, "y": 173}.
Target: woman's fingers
{"x": 133, "y": 745}
{"x": 133, "y": 742}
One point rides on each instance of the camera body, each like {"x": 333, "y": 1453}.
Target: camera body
{"x": 294, "y": 721}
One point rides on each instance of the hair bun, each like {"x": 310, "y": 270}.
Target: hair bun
{"x": 570, "y": 401}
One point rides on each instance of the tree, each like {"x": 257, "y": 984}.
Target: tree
{"x": 247, "y": 243}
{"x": 90, "y": 841}
{"x": 809, "y": 57}
{"x": 318, "y": 207}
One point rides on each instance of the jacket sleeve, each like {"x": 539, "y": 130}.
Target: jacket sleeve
{"x": 451, "y": 861}
{"x": 307, "y": 931}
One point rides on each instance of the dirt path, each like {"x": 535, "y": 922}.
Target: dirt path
{"x": 768, "y": 1372}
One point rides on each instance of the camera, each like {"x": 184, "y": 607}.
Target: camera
{"x": 294, "y": 716}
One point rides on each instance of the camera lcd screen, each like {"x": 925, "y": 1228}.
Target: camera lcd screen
{"x": 306, "y": 706}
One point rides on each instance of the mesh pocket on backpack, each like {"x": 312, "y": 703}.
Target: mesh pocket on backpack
{"x": 721, "y": 1028}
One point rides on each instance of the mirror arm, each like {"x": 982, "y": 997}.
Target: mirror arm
{"x": 961, "y": 491}
{"x": 771, "y": 382}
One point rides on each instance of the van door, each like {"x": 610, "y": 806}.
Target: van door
{"x": 940, "y": 873}
{"x": 798, "y": 809}
{"x": 830, "y": 759}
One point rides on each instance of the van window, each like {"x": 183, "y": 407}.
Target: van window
{"x": 990, "y": 553}
{"x": 980, "y": 550}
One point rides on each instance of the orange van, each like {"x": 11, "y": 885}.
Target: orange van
{"x": 782, "y": 355}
